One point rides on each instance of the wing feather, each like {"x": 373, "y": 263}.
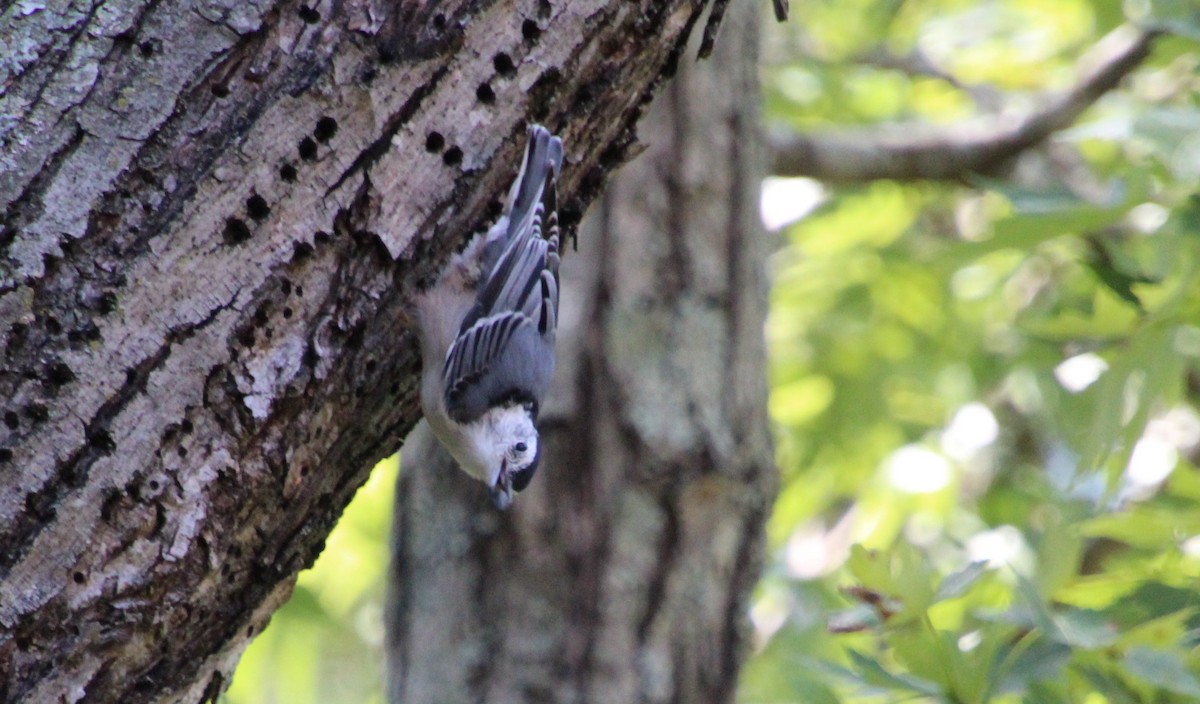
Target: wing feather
{"x": 505, "y": 347}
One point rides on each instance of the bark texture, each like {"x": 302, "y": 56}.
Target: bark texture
{"x": 213, "y": 213}
{"x": 622, "y": 574}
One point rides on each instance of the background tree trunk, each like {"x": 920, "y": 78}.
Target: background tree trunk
{"x": 213, "y": 216}
{"x": 622, "y": 574}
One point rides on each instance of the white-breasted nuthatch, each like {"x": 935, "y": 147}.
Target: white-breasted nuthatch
{"x": 487, "y": 331}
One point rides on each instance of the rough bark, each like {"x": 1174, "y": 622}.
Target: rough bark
{"x": 622, "y": 574}
{"x": 213, "y": 216}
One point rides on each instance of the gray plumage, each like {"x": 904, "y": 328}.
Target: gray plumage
{"x": 487, "y": 330}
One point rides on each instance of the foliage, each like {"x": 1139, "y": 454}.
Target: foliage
{"x": 984, "y": 394}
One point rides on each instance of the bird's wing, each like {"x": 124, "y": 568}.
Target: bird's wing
{"x": 505, "y": 348}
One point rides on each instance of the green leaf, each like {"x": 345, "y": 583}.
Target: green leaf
{"x": 1163, "y": 670}
{"x": 957, "y": 583}
{"x": 871, "y": 672}
{"x": 1082, "y": 628}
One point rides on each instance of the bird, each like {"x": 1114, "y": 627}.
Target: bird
{"x": 487, "y": 330}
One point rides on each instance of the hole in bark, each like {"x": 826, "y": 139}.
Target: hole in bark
{"x": 260, "y": 316}
{"x": 24, "y": 643}
{"x": 584, "y": 97}
{"x": 40, "y": 506}
{"x": 369, "y": 75}
{"x": 322, "y": 237}
{"x": 78, "y": 578}
{"x": 371, "y": 364}
{"x": 301, "y": 250}
{"x": 286, "y": 287}
{"x": 102, "y": 441}
{"x": 257, "y": 207}
{"x": 310, "y": 356}
{"x": 531, "y": 31}
{"x": 147, "y": 48}
{"x": 357, "y": 336}
{"x": 439, "y": 21}
{"x": 504, "y": 65}
{"x": 5, "y": 455}
{"x": 326, "y": 128}
{"x": 52, "y": 325}
{"x": 299, "y": 291}
{"x": 434, "y": 142}
{"x": 394, "y": 389}
{"x": 152, "y": 485}
{"x": 16, "y": 335}
{"x": 112, "y": 499}
{"x": 236, "y": 231}
{"x": 59, "y": 373}
{"x": 303, "y": 470}
{"x": 493, "y": 210}
{"x": 287, "y": 312}
{"x": 287, "y": 172}
{"x": 181, "y": 451}
{"x": 11, "y": 419}
{"x": 220, "y": 90}
{"x": 38, "y": 412}
{"x": 309, "y": 15}
{"x": 186, "y": 426}
{"x": 486, "y": 95}
{"x": 107, "y": 302}
{"x": 453, "y": 156}
{"x": 611, "y": 157}
{"x": 246, "y": 337}
{"x": 308, "y": 149}
{"x": 249, "y": 631}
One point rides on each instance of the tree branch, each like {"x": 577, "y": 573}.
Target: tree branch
{"x": 969, "y": 149}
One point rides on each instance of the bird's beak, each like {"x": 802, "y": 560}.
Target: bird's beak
{"x": 502, "y": 492}
{"x": 502, "y": 497}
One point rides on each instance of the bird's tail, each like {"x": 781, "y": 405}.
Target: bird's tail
{"x": 537, "y": 180}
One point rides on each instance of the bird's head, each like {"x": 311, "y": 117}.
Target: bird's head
{"x": 512, "y": 451}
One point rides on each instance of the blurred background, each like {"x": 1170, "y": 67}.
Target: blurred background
{"x": 983, "y": 388}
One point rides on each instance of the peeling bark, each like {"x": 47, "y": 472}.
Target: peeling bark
{"x": 213, "y": 216}
{"x": 622, "y": 574}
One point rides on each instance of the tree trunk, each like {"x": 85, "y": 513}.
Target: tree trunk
{"x": 214, "y": 214}
{"x": 622, "y": 574}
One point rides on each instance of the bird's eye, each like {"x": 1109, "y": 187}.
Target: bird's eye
{"x": 520, "y": 447}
